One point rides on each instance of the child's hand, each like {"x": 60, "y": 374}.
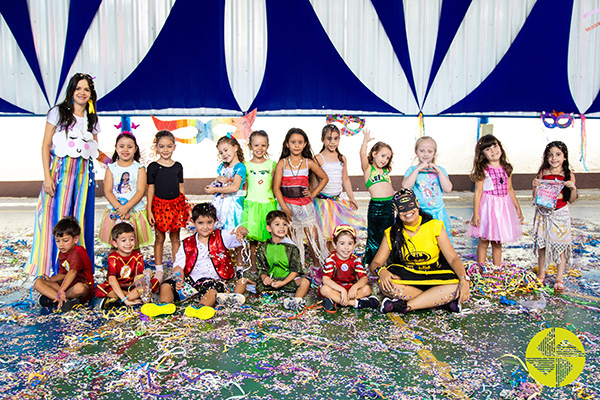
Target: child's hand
{"x": 61, "y": 297}
{"x": 344, "y": 297}
{"x": 128, "y": 302}
{"x": 435, "y": 168}
{"x": 123, "y": 211}
{"x": 287, "y": 212}
{"x": 151, "y": 220}
{"x": 312, "y": 195}
{"x": 570, "y": 185}
{"x": 367, "y": 134}
{"x": 277, "y": 284}
{"x": 44, "y": 277}
{"x": 352, "y": 293}
{"x": 353, "y": 204}
{"x": 422, "y": 166}
{"x": 179, "y": 285}
{"x": 267, "y": 281}
{"x": 240, "y": 233}
{"x": 222, "y": 179}
{"x": 475, "y": 220}
{"x": 521, "y": 217}
{"x": 209, "y": 189}
{"x": 536, "y": 182}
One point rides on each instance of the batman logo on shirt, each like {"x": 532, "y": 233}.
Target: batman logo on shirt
{"x": 418, "y": 257}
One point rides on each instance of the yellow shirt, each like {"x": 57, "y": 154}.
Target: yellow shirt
{"x": 423, "y": 249}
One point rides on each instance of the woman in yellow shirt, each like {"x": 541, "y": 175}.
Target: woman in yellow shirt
{"x": 416, "y": 263}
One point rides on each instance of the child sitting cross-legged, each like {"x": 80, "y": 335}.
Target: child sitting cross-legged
{"x": 125, "y": 266}
{"x": 74, "y": 282}
{"x": 278, "y": 264}
{"x": 201, "y": 267}
{"x": 345, "y": 281}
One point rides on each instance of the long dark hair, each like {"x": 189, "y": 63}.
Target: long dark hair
{"x": 65, "y": 109}
{"x": 566, "y": 192}
{"x": 480, "y": 163}
{"x": 127, "y": 135}
{"x": 398, "y": 240}
{"x": 285, "y": 150}
{"x": 331, "y": 128}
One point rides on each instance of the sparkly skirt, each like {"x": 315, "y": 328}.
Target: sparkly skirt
{"x": 334, "y": 211}
{"x": 380, "y": 216}
{"x": 139, "y": 221}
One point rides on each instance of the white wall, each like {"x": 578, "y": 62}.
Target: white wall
{"x": 523, "y": 139}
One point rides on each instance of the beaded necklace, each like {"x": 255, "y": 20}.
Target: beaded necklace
{"x": 295, "y": 167}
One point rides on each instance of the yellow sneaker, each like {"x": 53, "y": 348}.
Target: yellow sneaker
{"x": 153, "y": 310}
{"x": 203, "y": 312}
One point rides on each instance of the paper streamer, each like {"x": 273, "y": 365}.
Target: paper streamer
{"x": 421, "y": 125}
{"x": 583, "y": 148}
{"x": 205, "y": 129}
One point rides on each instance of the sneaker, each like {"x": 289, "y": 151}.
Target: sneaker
{"x": 453, "y": 306}
{"x": 69, "y": 304}
{"x": 109, "y": 302}
{"x": 230, "y": 299}
{"x": 46, "y": 301}
{"x": 329, "y": 305}
{"x": 388, "y": 305}
{"x": 154, "y": 310}
{"x": 294, "y": 303}
{"x": 203, "y": 312}
{"x": 368, "y": 302}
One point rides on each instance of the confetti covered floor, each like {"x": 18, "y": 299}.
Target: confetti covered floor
{"x": 261, "y": 351}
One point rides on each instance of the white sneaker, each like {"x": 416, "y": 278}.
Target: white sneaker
{"x": 230, "y": 299}
{"x": 294, "y": 303}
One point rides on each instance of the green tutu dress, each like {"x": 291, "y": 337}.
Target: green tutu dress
{"x": 259, "y": 199}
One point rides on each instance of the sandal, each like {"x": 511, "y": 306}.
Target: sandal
{"x": 559, "y": 286}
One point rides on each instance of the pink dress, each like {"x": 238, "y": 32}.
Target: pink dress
{"x": 499, "y": 221}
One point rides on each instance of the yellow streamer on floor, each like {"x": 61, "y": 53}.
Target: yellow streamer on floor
{"x": 431, "y": 364}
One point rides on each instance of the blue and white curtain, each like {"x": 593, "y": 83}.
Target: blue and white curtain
{"x": 304, "y": 57}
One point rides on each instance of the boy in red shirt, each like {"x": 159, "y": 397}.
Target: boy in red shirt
{"x": 74, "y": 282}
{"x": 345, "y": 281}
{"x": 125, "y": 266}
{"x": 202, "y": 266}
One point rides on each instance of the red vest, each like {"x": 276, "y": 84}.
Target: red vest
{"x": 219, "y": 255}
